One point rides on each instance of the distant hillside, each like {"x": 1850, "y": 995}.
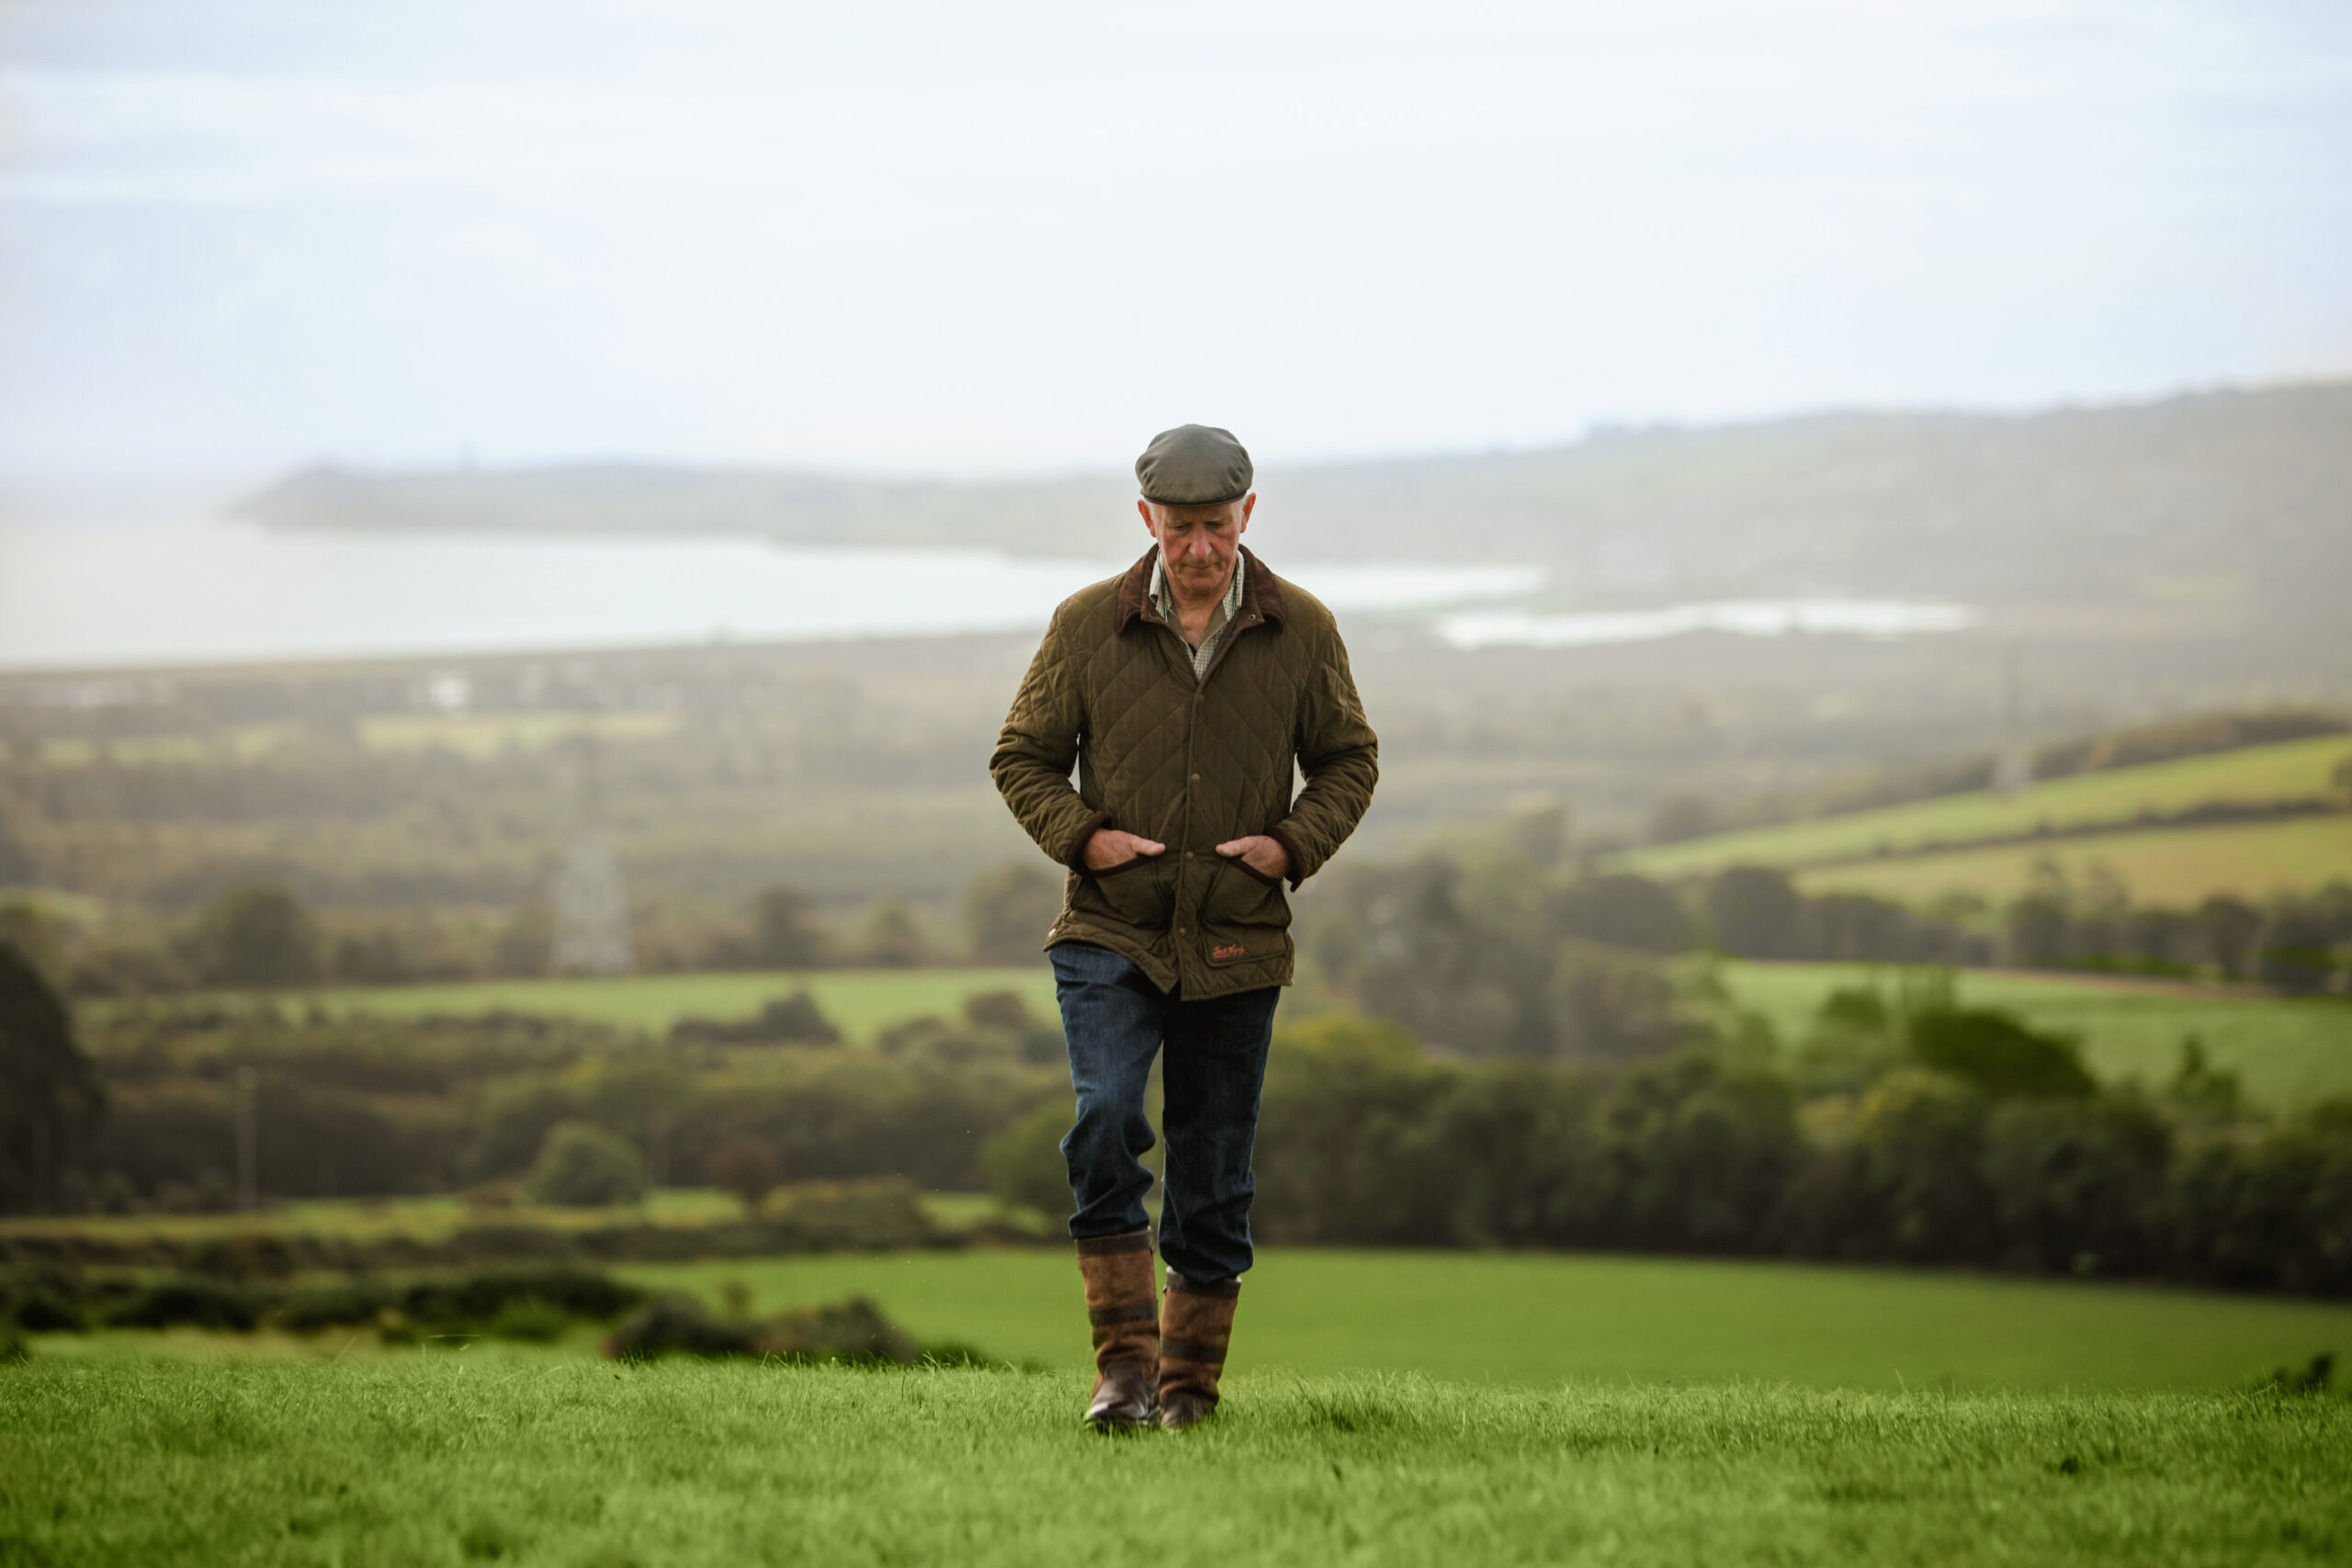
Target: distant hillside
{"x": 2252, "y": 821}
{"x": 2204, "y": 510}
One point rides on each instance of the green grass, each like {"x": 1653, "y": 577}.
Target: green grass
{"x": 2287, "y": 1052}
{"x": 1537, "y": 1319}
{"x": 441, "y": 1458}
{"x": 860, "y": 1001}
{"x": 2294, "y": 770}
{"x": 2159, "y": 865}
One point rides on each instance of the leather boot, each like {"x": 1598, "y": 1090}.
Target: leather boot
{"x": 1122, "y": 1310}
{"x": 1195, "y": 1325}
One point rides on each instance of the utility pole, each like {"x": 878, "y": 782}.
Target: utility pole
{"x": 248, "y": 1141}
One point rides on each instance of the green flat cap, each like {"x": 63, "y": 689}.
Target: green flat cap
{"x": 1193, "y": 465}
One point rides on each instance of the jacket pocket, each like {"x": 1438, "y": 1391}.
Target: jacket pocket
{"x": 1245, "y": 917}
{"x": 1138, "y": 893}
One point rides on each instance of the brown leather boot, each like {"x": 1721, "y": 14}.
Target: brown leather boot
{"x": 1122, "y": 1309}
{"x": 1195, "y": 1325}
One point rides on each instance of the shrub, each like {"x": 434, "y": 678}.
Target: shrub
{"x": 1024, "y": 1159}
{"x": 795, "y": 1019}
{"x": 582, "y": 1164}
{"x": 854, "y": 1330}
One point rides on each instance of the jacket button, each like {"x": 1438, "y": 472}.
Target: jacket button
{"x": 1188, "y": 855}
{"x": 1196, "y": 778}
{"x": 1183, "y": 931}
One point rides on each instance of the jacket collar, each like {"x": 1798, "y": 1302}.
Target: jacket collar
{"x": 1262, "y": 598}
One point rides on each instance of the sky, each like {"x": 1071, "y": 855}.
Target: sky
{"x": 240, "y": 235}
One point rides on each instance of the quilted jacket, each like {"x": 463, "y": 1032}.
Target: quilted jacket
{"x": 1190, "y": 764}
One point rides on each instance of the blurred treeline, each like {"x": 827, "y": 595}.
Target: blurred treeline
{"x": 361, "y": 1106}
{"x": 1899, "y": 1130}
{"x": 1656, "y": 1116}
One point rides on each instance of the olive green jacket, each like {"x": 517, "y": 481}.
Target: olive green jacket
{"x": 1190, "y": 764}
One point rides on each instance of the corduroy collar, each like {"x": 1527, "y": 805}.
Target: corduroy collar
{"x": 1262, "y": 598}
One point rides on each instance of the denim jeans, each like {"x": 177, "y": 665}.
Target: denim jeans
{"x": 1116, "y": 1020}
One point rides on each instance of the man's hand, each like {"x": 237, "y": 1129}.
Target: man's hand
{"x": 1263, "y": 855}
{"x": 1108, "y": 849}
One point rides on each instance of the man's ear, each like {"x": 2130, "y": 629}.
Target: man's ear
{"x": 1150, "y": 527}
{"x": 1248, "y": 504}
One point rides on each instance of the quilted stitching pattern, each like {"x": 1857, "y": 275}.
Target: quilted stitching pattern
{"x": 1190, "y": 764}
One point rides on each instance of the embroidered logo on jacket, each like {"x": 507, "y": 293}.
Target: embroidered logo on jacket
{"x": 1226, "y": 950}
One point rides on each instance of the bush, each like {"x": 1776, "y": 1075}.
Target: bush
{"x": 795, "y": 1019}
{"x": 582, "y": 1164}
{"x": 854, "y": 1330}
{"x": 1024, "y": 1159}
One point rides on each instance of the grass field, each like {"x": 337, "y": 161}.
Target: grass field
{"x": 2287, "y": 1052}
{"x": 441, "y": 1458}
{"x": 859, "y": 1001}
{"x": 2159, "y": 865}
{"x": 1537, "y": 1319}
{"x": 2295, "y": 770}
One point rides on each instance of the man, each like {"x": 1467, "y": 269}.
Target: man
{"x": 1183, "y": 691}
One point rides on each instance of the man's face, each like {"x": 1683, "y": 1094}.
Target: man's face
{"x": 1197, "y": 544}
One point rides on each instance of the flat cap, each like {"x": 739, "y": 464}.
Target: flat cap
{"x": 1193, "y": 465}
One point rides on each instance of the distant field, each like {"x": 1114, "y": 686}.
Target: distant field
{"x": 1540, "y": 1318}
{"x": 2287, "y": 1052}
{"x": 2296, "y": 769}
{"x": 2177, "y": 865}
{"x": 860, "y": 1001}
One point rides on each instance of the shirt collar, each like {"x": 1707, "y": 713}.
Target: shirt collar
{"x": 1166, "y": 600}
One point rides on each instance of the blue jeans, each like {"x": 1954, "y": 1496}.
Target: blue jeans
{"x": 1116, "y": 1020}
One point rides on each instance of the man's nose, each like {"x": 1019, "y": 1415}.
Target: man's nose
{"x": 1200, "y": 547}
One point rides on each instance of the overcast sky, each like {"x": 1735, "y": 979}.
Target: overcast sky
{"x": 239, "y": 234}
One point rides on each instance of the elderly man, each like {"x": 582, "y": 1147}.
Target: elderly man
{"x": 1183, "y": 690}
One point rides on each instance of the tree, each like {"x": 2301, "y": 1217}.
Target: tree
{"x": 1756, "y": 912}
{"x": 785, "y": 932}
{"x": 2037, "y": 931}
{"x": 1624, "y": 910}
{"x": 16, "y": 860}
{"x": 1609, "y": 1007}
{"x": 1007, "y": 910}
{"x": 256, "y": 935}
{"x": 50, "y": 1099}
{"x": 582, "y": 1164}
{"x": 747, "y": 1168}
{"x": 2224, "y": 929}
{"x": 2294, "y": 950}
{"x": 1998, "y": 1056}
{"x": 890, "y": 936}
